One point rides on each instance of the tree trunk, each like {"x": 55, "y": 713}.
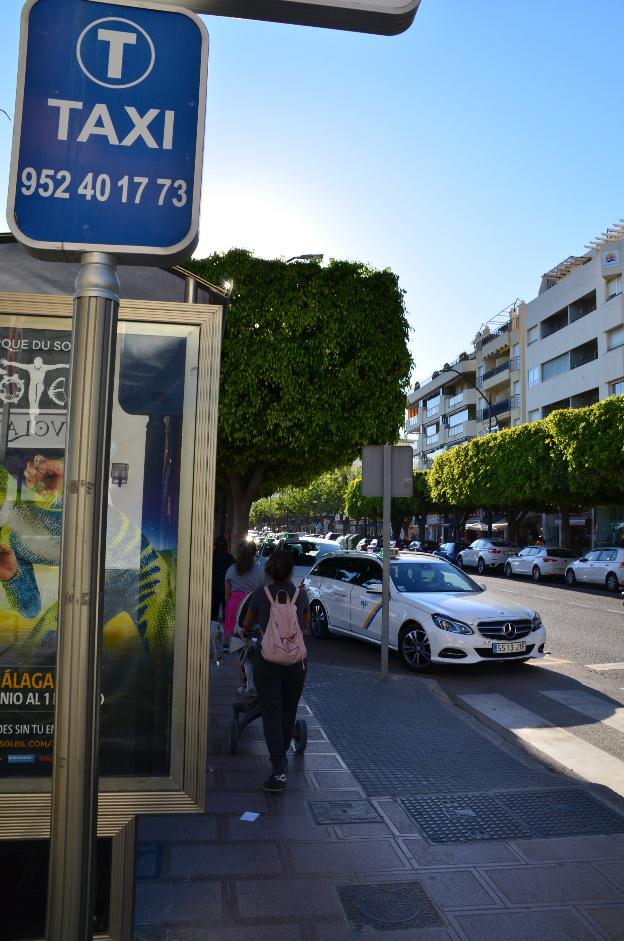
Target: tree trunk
{"x": 564, "y": 528}
{"x": 243, "y": 492}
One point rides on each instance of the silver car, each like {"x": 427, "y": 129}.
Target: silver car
{"x": 484, "y": 554}
{"x": 540, "y": 562}
{"x": 599, "y": 567}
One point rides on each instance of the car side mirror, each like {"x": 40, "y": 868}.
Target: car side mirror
{"x": 583, "y": 559}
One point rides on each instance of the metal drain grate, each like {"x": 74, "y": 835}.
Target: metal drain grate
{"x": 463, "y": 818}
{"x": 562, "y": 812}
{"x": 388, "y": 906}
{"x": 336, "y": 812}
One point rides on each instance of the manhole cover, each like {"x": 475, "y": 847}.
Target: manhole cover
{"x": 387, "y": 906}
{"x": 463, "y": 818}
{"x": 562, "y": 812}
{"x": 336, "y": 812}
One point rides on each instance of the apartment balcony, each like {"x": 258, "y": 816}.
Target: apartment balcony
{"x": 465, "y": 430}
{"x": 498, "y": 408}
{"x": 412, "y": 424}
{"x": 496, "y": 340}
{"x": 431, "y": 439}
{"x": 432, "y": 412}
{"x": 498, "y": 375}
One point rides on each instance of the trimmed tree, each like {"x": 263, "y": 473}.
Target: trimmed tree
{"x": 315, "y": 364}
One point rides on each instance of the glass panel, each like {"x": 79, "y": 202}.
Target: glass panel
{"x": 147, "y": 555}
{"x": 24, "y": 887}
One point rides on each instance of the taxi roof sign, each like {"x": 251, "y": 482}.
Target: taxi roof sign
{"x": 384, "y": 17}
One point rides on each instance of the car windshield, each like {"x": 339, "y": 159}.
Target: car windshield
{"x": 306, "y": 552}
{"x": 419, "y": 576}
{"x": 503, "y": 544}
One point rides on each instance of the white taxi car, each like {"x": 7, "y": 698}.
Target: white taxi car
{"x": 438, "y": 614}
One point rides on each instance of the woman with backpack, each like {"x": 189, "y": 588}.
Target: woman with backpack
{"x": 283, "y": 614}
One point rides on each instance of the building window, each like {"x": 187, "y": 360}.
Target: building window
{"x": 614, "y": 286}
{"x": 534, "y": 414}
{"x": 582, "y": 307}
{"x": 554, "y": 367}
{"x": 615, "y": 338}
{"x": 581, "y": 355}
{"x": 532, "y": 334}
{"x": 617, "y": 387}
{"x": 515, "y": 356}
{"x": 533, "y": 376}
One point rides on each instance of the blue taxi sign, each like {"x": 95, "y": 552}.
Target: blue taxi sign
{"x": 109, "y": 130}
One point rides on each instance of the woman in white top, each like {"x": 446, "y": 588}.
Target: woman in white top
{"x": 240, "y": 580}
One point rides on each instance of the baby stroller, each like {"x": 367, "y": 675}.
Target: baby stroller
{"x": 248, "y": 710}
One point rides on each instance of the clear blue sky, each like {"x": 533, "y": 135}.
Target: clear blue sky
{"x": 469, "y": 155}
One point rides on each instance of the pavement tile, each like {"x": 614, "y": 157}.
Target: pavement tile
{"x": 457, "y": 888}
{"x": 343, "y": 857}
{"x": 458, "y": 854}
{"x": 292, "y": 827}
{"x": 234, "y": 762}
{"x": 614, "y": 870}
{"x": 236, "y": 933}
{"x": 337, "y": 779}
{"x": 167, "y": 828}
{"x": 363, "y": 831}
{"x": 222, "y": 860}
{"x": 235, "y": 780}
{"x": 569, "y": 848}
{"x": 397, "y": 816}
{"x": 162, "y": 902}
{"x": 295, "y": 802}
{"x": 559, "y": 925}
{"x": 296, "y": 898}
{"x": 312, "y": 762}
{"x": 610, "y": 921}
{"x": 237, "y": 802}
{"x": 148, "y": 934}
{"x": 337, "y": 931}
{"x": 563, "y": 882}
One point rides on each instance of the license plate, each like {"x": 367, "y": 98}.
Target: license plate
{"x": 517, "y": 647}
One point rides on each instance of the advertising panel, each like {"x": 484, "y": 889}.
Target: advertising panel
{"x": 155, "y": 363}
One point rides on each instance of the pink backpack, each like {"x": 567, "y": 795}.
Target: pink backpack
{"x": 283, "y": 640}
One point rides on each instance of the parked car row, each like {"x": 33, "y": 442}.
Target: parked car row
{"x": 602, "y": 566}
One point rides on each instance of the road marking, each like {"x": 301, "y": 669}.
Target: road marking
{"x": 596, "y": 707}
{"x": 547, "y": 661}
{"x": 602, "y": 667}
{"x": 567, "y": 749}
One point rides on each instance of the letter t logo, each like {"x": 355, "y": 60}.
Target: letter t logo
{"x": 116, "y": 40}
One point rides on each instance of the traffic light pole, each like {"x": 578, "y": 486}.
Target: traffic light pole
{"x": 73, "y": 837}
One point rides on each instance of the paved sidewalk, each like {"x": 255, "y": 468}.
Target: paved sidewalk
{"x": 484, "y": 861}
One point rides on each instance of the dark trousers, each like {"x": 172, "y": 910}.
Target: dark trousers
{"x": 279, "y": 690}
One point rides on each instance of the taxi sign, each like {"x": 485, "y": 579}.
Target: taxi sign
{"x": 109, "y": 130}
{"x": 386, "y": 17}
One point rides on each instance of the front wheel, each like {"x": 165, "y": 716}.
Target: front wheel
{"x": 318, "y": 620}
{"x": 536, "y": 574}
{"x": 612, "y": 582}
{"x": 570, "y": 578}
{"x": 481, "y": 566}
{"x": 507, "y": 570}
{"x": 415, "y": 648}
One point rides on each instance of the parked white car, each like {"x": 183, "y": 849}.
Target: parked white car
{"x": 540, "y": 562}
{"x": 599, "y": 567}
{"x": 485, "y": 554}
{"x": 438, "y": 614}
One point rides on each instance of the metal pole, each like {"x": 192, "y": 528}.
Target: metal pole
{"x": 71, "y": 882}
{"x": 385, "y": 590}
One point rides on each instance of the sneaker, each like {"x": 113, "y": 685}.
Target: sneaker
{"x": 277, "y": 782}
{"x": 242, "y": 690}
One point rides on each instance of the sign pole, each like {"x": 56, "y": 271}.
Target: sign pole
{"x": 385, "y": 591}
{"x": 71, "y": 882}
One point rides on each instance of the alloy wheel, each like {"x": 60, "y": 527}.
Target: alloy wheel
{"x": 536, "y": 573}
{"x": 612, "y": 582}
{"x": 570, "y": 578}
{"x": 318, "y": 620}
{"x": 416, "y": 649}
{"x": 508, "y": 571}
{"x": 481, "y": 566}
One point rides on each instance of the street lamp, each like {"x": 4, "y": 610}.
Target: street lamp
{"x": 309, "y": 257}
{"x": 486, "y": 398}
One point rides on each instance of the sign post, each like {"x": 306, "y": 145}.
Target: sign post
{"x": 106, "y": 167}
{"x": 387, "y": 471}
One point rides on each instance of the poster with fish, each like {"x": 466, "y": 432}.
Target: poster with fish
{"x": 141, "y": 547}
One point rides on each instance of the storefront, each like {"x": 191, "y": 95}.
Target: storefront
{"x": 157, "y": 587}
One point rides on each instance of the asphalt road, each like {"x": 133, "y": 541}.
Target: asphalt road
{"x": 585, "y": 627}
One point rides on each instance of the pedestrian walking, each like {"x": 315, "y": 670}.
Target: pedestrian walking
{"x": 279, "y": 685}
{"x": 221, "y": 561}
{"x": 241, "y": 578}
